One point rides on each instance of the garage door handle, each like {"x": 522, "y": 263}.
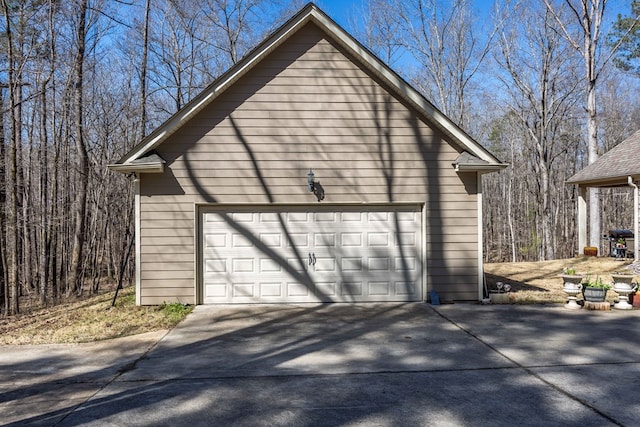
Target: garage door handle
{"x": 310, "y": 259}
{"x": 314, "y": 258}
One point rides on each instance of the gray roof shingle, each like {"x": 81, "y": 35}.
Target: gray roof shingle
{"x": 621, "y": 161}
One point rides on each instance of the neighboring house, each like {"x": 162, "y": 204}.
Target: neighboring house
{"x": 618, "y": 167}
{"x": 225, "y": 212}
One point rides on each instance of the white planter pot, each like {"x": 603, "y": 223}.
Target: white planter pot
{"x": 622, "y": 281}
{"x": 499, "y": 298}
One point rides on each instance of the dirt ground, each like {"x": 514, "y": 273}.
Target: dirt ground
{"x": 540, "y": 282}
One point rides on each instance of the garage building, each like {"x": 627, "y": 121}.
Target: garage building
{"x": 309, "y": 172}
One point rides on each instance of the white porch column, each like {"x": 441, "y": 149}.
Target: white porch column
{"x": 136, "y": 189}
{"x": 582, "y": 218}
{"x": 480, "y": 241}
{"x": 636, "y": 238}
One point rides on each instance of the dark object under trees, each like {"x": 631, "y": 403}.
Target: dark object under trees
{"x": 123, "y": 264}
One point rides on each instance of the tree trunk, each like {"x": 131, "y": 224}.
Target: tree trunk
{"x": 4, "y": 291}
{"x": 82, "y": 162}
{"x": 143, "y": 71}
{"x": 12, "y": 187}
{"x": 592, "y": 138}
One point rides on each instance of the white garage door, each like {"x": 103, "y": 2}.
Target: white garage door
{"x": 315, "y": 254}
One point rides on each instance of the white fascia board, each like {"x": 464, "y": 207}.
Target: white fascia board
{"x": 137, "y": 167}
{"x": 406, "y": 90}
{"x": 206, "y": 97}
{"x": 480, "y": 168}
{"x": 374, "y": 64}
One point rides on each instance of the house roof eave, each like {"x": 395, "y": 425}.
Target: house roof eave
{"x": 612, "y": 181}
{"x": 137, "y": 167}
{"x": 311, "y": 13}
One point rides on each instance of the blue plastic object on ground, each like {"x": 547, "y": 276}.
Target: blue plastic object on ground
{"x": 435, "y": 298}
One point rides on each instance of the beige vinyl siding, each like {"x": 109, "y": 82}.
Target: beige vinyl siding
{"x": 306, "y": 106}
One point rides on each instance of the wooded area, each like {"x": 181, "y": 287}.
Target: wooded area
{"x": 545, "y": 85}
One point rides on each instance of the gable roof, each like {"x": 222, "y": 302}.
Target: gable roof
{"x": 614, "y": 166}
{"x": 365, "y": 58}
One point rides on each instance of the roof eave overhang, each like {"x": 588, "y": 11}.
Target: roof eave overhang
{"x": 219, "y": 86}
{"x": 486, "y": 168}
{"x": 618, "y": 181}
{"x": 368, "y": 59}
{"x": 405, "y": 91}
{"x": 137, "y": 167}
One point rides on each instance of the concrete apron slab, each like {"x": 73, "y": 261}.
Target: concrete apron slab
{"x": 233, "y": 341}
{"x": 337, "y": 365}
{"x": 40, "y": 385}
{"x": 591, "y": 356}
{"x": 366, "y": 364}
{"x": 551, "y": 335}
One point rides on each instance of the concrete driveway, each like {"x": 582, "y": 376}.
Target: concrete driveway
{"x": 340, "y": 365}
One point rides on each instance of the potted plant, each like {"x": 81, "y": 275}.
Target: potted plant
{"x": 571, "y": 278}
{"x": 572, "y": 286}
{"x": 622, "y": 279}
{"x": 595, "y": 290}
{"x": 623, "y": 286}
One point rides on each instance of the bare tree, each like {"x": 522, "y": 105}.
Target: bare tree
{"x": 443, "y": 39}
{"x": 582, "y": 27}
{"x": 378, "y": 27}
{"x": 143, "y": 69}
{"x": 80, "y": 204}
{"x": 11, "y": 223}
{"x": 541, "y": 85}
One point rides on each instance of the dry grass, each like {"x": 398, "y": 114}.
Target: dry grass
{"x": 91, "y": 319}
{"x": 540, "y": 282}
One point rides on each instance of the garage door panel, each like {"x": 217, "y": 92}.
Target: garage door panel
{"x": 215, "y": 240}
{"x": 405, "y": 239}
{"x": 324, "y": 240}
{"x": 242, "y": 290}
{"x": 241, "y": 241}
{"x": 322, "y": 255}
{"x": 215, "y": 265}
{"x": 326, "y": 290}
{"x": 297, "y": 265}
{"x": 378, "y": 239}
{"x": 243, "y": 265}
{"x": 271, "y": 240}
{"x": 379, "y": 288}
{"x": 351, "y": 240}
{"x": 327, "y": 264}
{"x": 351, "y": 217}
{"x": 379, "y": 263}
{"x": 298, "y": 217}
{"x": 269, "y": 265}
{"x": 351, "y": 264}
{"x": 351, "y": 289}
{"x": 271, "y": 290}
{"x": 406, "y": 288}
{"x": 269, "y": 217}
{"x": 298, "y": 240}
{"x": 216, "y": 290}
{"x": 408, "y": 263}
{"x": 296, "y": 289}
{"x": 325, "y": 217}
{"x": 242, "y": 217}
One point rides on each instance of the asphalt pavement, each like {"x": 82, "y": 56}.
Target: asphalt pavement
{"x": 340, "y": 365}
